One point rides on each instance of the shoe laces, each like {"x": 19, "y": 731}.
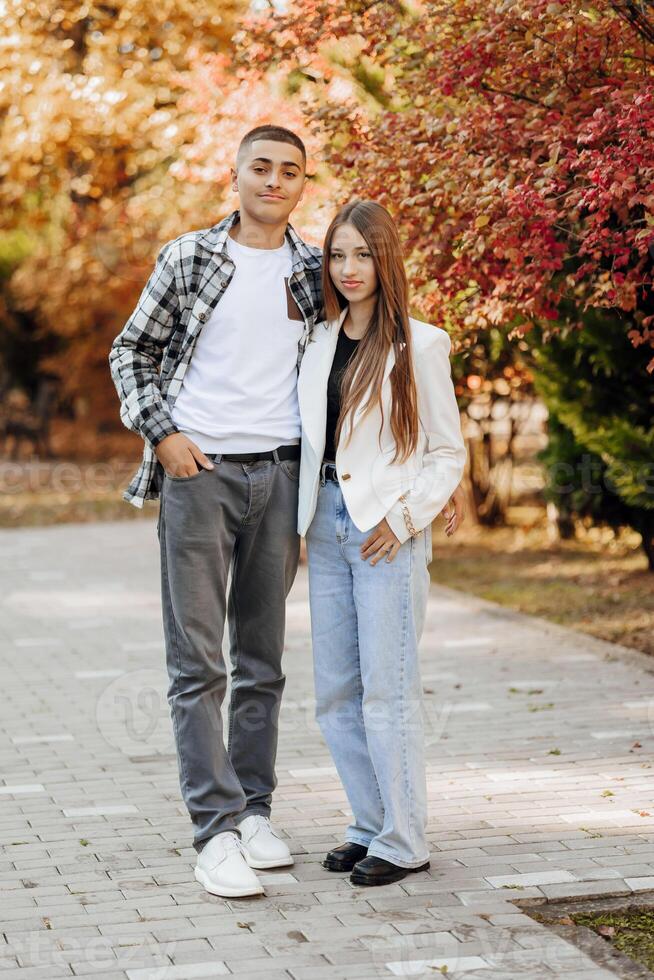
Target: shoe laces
{"x": 259, "y": 822}
{"x": 263, "y": 823}
{"x": 231, "y": 842}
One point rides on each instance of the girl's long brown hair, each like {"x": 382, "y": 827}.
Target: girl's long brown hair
{"x": 389, "y": 325}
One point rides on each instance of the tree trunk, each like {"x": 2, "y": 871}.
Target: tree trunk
{"x": 647, "y": 533}
{"x": 561, "y": 526}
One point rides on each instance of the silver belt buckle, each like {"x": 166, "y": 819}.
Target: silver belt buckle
{"x": 323, "y": 472}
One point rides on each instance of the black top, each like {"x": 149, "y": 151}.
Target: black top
{"x": 345, "y": 348}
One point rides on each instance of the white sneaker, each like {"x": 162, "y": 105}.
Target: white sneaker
{"x": 263, "y": 846}
{"x": 222, "y": 869}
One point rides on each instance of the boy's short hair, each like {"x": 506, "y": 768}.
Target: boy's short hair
{"x": 270, "y": 132}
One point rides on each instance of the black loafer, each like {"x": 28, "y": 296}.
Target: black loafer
{"x": 344, "y": 857}
{"x": 376, "y": 871}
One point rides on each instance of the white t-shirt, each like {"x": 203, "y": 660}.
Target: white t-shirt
{"x": 239, "y": 393}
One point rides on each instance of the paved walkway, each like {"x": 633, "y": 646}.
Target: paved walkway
{"x": 540, "y": 781}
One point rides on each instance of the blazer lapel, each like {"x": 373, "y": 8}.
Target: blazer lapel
{"x": 312, "y": 382}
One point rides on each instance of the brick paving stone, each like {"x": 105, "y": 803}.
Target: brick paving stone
{"x": 187, "y": 971}
{"x": 46, "y": 972}
{"x": 640, "y": 883}
{"x": 587, "y": 889}
{"x": 97, "y": 862}
{"x": 92, "y": 975}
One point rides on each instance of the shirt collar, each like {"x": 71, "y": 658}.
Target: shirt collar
{"x": 215, "y": 239}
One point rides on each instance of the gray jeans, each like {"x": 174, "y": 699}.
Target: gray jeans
{"x": 241, "y": 516}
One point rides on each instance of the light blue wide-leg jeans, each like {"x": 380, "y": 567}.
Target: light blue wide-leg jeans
{"x": 366, "y": 623}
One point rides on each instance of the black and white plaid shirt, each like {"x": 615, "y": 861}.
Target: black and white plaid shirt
{"x": 149, "y": 357}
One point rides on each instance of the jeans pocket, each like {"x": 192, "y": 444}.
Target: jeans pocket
{"x": 292, "y": 469}
{"x": 185, "y": 479}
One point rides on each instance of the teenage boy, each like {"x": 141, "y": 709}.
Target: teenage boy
{"x": 206, "y": 372}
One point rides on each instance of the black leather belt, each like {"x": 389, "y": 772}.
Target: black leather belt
{"x": 282, "y": 452}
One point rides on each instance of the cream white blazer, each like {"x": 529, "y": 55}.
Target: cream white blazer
{"x": 371, "y": 484}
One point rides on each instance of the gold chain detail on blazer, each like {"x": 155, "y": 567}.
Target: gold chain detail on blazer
{"x": 407, "y": 518}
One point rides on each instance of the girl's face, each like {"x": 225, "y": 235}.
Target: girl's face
{"x": 351, "y": 265}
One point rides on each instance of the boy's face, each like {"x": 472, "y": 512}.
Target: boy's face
{"x": 269, "y": 180}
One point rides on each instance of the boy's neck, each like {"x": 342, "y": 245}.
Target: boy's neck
{"x": 255, "y": 234}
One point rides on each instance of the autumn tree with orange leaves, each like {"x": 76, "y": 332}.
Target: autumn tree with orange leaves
{"x": 97, "y": 110}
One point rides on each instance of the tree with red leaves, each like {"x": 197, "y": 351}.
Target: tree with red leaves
{"x": 513, "y": 141}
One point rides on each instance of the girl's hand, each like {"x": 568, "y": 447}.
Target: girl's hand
{"x": 382, "y": 541}
{"x": 455, "y": 511}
